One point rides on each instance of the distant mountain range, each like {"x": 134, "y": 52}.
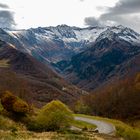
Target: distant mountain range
{"x": 87, "y": 57}
{"x": 52, "y": 44}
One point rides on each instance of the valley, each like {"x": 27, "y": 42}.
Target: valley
{"x": 69, "y": 69}
{"x": 53, "y": 72}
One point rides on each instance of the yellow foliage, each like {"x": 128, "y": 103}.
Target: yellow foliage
{"x": 53, "y": 116}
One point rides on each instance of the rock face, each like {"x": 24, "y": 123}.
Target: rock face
{"x": 41, "y": 84}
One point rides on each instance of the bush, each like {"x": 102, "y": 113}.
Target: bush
{"x": 81, "y": 108}
{"x": 14, "y": 104}
{"x": 8, "y": 100}
{"x": 53, "y": 116}
{"x": 20, "y": 107}
{"x": 1, "y": 107}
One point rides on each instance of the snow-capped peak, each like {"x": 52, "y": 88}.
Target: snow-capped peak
{"x": 62, "y": 41}
{"x": 120, "y": 32}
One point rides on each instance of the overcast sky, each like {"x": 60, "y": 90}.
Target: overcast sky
{"x": 33, "y": 13}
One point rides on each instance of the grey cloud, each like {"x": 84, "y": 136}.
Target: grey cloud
{"x": 6, "y": 17}
{"x": 126, "y": 7}
{"x": 4, "y": 6}
{"x": 125, "y": 12}
{"x": 92, "y": 21}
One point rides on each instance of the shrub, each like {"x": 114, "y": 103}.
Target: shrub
{"x": 53, "y": 116}
{"x": 14, "y": 104}
{"x": 20, "y": 106}
{"x": 1, "y": 107}
{"x": 8, "y": 100}
{"x": 81, "y": 108}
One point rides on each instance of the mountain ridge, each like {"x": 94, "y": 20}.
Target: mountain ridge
{"x": 53, "y": 44}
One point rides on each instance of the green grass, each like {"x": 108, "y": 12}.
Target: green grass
{"x": 20, "y": 135}
{"x": 83, "y": 125}
{"x": 7, "y": 124}
{"x": 4, "y": 63}
{"x": 26, "y": 135}
{"x": 122, "y": 129}
{"x": 72, "y": 135}
{"x": 10, "y": 130}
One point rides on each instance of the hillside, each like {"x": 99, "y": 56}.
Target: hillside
{"x": 31, "y": 79}
{"x": 119, "y": 100}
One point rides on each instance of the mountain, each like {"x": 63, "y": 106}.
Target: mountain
{"x": 114, "y": 54}
{"x": 25, "y": 76}
{"x": 51, "y": 44}
{"x": 87, "y": 57}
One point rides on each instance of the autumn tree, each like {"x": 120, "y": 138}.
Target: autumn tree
{"x": 14, "y": 104}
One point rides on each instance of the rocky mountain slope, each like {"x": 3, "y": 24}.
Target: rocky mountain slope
{"x": 114, "y": 54}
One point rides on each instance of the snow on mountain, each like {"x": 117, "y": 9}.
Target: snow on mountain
{"x": 121, "y": 32}
{"x": 52, "y": 44}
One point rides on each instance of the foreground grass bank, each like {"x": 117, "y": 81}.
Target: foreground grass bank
{"x": 122, "y": 129}
{"x": 28, "y": 135}
{"x": 18, "y": 121}
{"x": 11, "y": 130}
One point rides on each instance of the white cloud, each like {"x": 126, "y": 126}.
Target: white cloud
{"x": 34, "y": 13}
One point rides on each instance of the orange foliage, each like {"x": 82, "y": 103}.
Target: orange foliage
{"x": 14, "y": 104}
